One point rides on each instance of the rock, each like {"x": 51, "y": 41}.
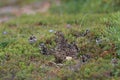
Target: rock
{"x": 98, "y": 41}
{"x": 68, "y": 58}
{"x": 4, "y": 32}
{"x": 114, "y": 61}
{"x": 51, "y": 31}
{"x": 32, "y": 39}
{"x": 43, "y": 49}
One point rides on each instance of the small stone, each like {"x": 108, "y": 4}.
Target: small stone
{"x": 43, "y": 49}
{"x": 4, "y": 32}
{"x": 114, "y": 61}
{"x": 51, "y": 31}
{"x": 32, "y": 39}
{"x": 68, "y": 26}
{"x": 68, "y": 58}
{"x": 98, "y": 41}
{"x": 84, "y": 58}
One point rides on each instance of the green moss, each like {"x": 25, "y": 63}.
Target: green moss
{"x": 24, "y": 60}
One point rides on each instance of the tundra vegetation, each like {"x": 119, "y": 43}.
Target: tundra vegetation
{"x": 68, "y": 40}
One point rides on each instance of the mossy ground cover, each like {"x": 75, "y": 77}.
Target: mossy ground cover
{"x": 20, "y": 60}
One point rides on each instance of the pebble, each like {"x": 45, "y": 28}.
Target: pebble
{"x": 4, "y": 32}
{"x": 68, "y": 58}
{"x": 51, "y": 31}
